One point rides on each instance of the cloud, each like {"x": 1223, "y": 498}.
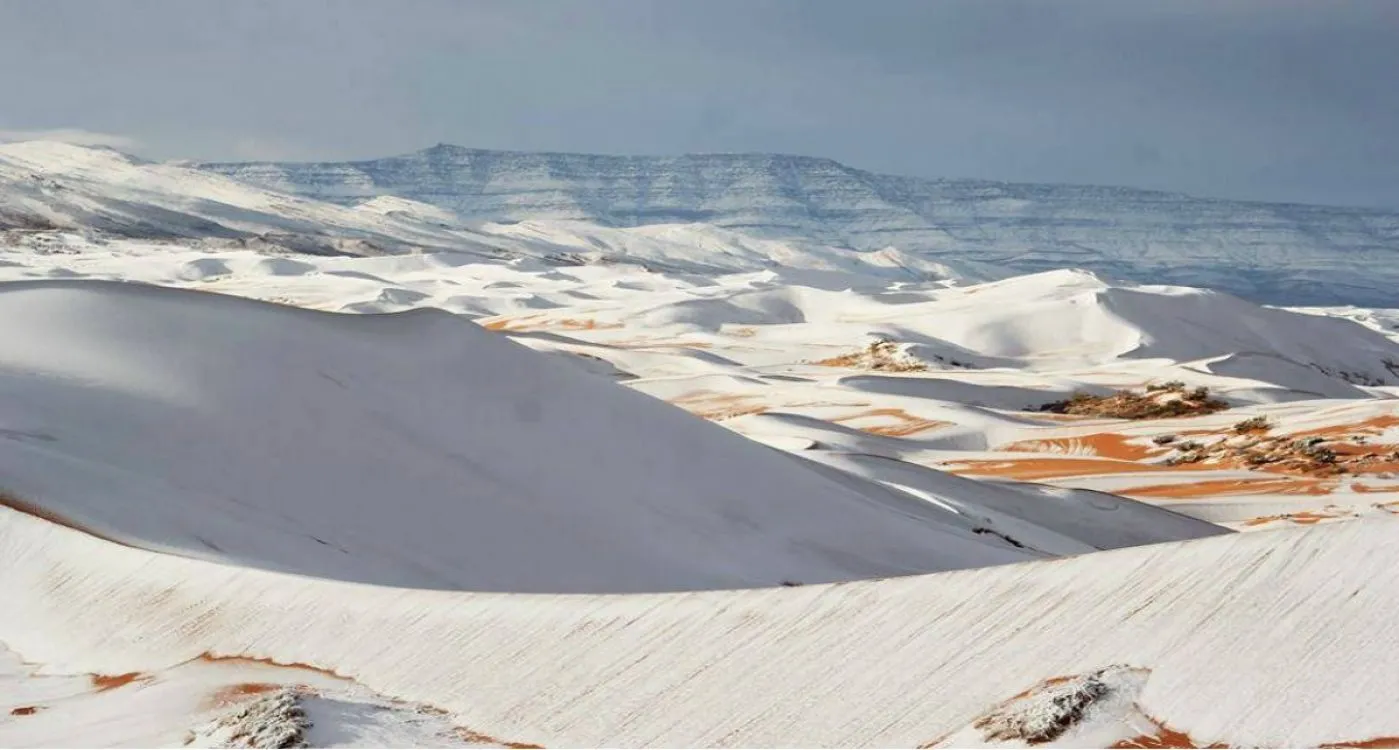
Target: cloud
{"x": 75, "y": 136}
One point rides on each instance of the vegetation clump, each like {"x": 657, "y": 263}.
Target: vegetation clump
{"x": 1159, "y": 401}
{"x": 881, "y": 355}
{"x": 1253, "y": 424}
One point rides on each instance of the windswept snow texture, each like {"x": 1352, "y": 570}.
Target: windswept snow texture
{"x": 1272, "y": 639}
{"x": 1274, "y": 253}
{"x": 418, "y": 450}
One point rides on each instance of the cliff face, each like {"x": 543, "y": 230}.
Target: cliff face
{"x": 1277, "y": 253}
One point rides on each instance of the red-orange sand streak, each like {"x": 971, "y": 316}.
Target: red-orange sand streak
{"x": 907, "y": 424}
{"x": 103, "y": 682}
{"x": 1216, "y": 487}
{"x": 1105, "y": 444}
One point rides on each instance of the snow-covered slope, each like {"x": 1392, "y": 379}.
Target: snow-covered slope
{"x": 1271, "y": 639}
{"x": 422, "y": 450}
{"x": 1276, "y": 253}
{"x": 226, "y": 521}
{"x": 46, "y": 186}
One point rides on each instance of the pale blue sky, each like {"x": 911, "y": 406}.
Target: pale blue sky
{"x": 1267, "y": 99}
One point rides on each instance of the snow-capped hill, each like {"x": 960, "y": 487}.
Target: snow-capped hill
{"x": 388, "y": 205}
{"x": 1275, "y": 253}
{"x": 57, "y": 186}
{"x": 704, "y": 248}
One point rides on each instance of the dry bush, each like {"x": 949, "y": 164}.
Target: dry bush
{"x": 881, "y": 355}
{"x": 1162, "y": 401}
{"x": 1253, "y": 424}
{"x": 1045, "y": 714}
{"x": 276, "y": 720}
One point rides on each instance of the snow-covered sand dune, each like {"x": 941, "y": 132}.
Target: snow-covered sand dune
{"x": 1273, "y": 639}
{"x": 421, "y": 450}
{"x": 434, "y": 495}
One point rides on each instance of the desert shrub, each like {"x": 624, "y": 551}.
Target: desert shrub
{"x": 1158, "y": 403}
{"x": 1253, "y": 424}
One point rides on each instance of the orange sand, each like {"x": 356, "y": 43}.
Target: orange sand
{"x": 103, "y": 683}
{"x": 907, "y": 424}
{"x": 1106, "y": 444}
{"x": 1226, "y": 487}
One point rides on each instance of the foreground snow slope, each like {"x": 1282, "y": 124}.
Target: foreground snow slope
{"x": 1277, "y": 253}
{"x": 1281, "y": 638}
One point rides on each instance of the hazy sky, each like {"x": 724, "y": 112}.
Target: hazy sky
{"x": 1268, "y": 99}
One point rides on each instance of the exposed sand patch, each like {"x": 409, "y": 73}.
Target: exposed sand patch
{"x": 234, "y": 693}
{"x": 1225, "y": 487}
{"x": 1311, "y": 460}
{"x": 1105, "y": 444}
{"x": 1301, "y": 518}
{"x": 906, "y": 424}
{"x": 716, "y": 406}
{"x": 1056, "y": 468}
{"x": 1163, "y": 737}
{"x": 1372, "y": 426}
{"x": 1375, "y": 742}
{"x": 475, "y": 737}
{"x": 103, "y": 682}
{"x": 215, "y": 658}
{"x": 541, "y": 323}
{"x": 1050, "y": 416}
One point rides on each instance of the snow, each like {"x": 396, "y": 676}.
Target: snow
{"x": 432, "y": 482}
{"x": 1279, "y": 638}
{"x": 1274, "y": 253}
{"x": 406, "y": 450}
{"x": 47, "y": 185}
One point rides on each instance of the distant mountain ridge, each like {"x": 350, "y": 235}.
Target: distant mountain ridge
{"x": 1275, "y": 253}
